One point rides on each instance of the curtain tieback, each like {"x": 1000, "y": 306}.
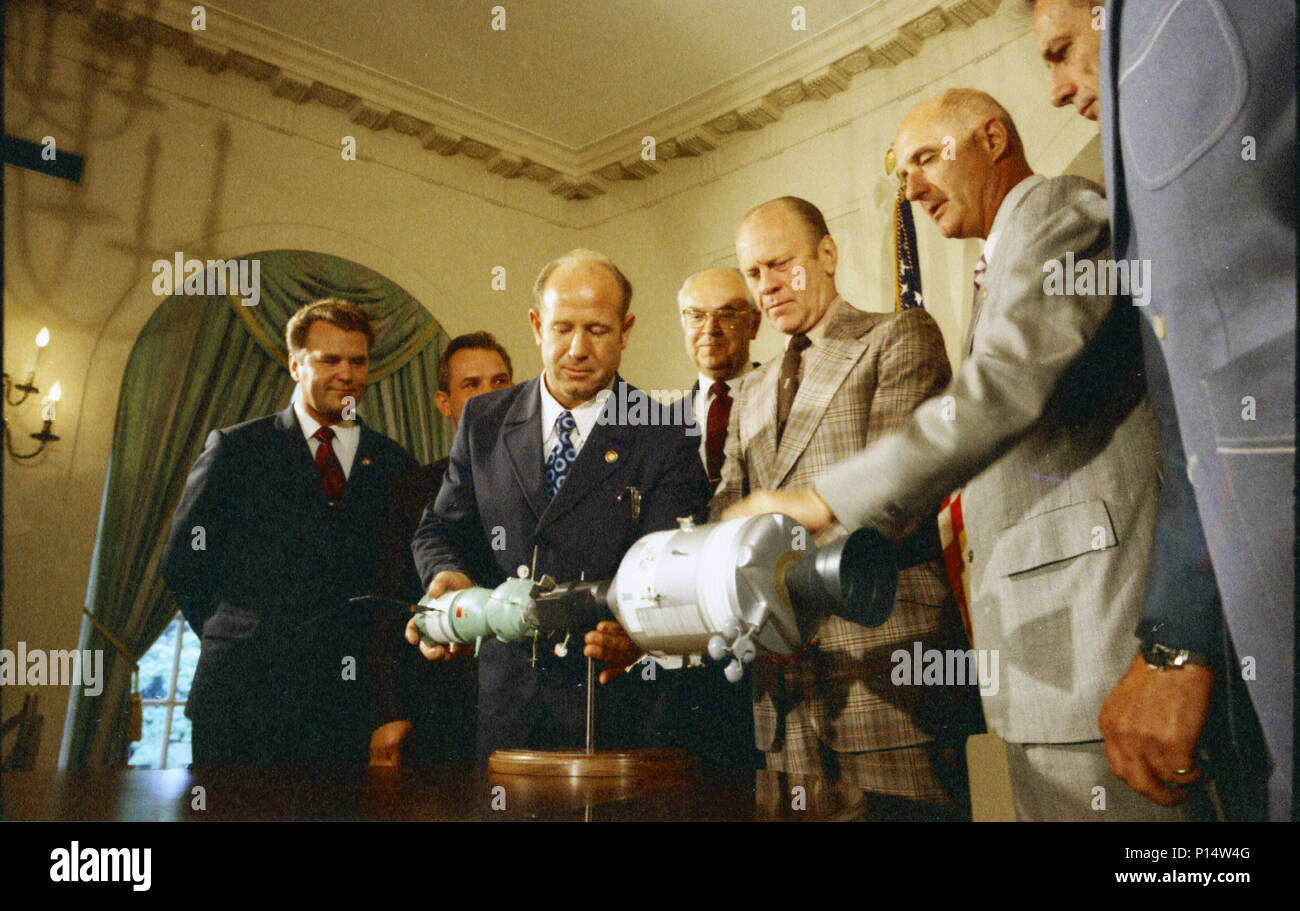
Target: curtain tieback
{"x": 135, "y": 706}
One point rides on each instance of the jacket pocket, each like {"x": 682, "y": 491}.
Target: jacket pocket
{"x": 231, "y": 623}
{"x": 1054, "y": 536}
{"x": 1193, "y": 44}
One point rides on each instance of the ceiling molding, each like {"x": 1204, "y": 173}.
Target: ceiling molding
{"x": 880, "y": 36}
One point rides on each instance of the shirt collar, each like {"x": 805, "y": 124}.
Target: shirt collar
{"x": 706, "y": 382}
{"x": 817, "y": 333}
{"x": 1009, "y": 203}
{"x": 584, "y": 415}
{"x": 343, "y": 430}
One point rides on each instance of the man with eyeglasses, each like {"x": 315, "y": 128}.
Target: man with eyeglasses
{"x": 719, "y": 321}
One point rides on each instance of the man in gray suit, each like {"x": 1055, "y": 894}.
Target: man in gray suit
{"x": 1047, "y": 427}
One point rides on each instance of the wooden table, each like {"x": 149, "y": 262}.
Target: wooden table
{"x": 442, "y": 793}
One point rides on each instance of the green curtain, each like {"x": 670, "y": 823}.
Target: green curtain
{"x": 207, "y": 362}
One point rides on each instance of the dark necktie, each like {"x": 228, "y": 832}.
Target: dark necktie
{"x": 980, "y": 268}
{"x": 788, "y": 384}
{"x": 561, "y": 457}
{"x": 331, "y": 470}
{"x": 719, "y": 415}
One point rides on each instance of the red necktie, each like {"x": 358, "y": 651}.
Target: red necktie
{"x": 331, "y": 470}
{"x": 716, "y": 428}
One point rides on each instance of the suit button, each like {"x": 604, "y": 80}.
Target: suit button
{"x": 1158, "y": 324}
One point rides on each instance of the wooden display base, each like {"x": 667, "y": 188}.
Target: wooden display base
{"x": 625, "y": 764}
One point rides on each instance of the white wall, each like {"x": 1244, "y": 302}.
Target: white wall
{"x": 177, "y": 159}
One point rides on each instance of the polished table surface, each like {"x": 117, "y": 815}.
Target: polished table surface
{"x": 444, "y": 793}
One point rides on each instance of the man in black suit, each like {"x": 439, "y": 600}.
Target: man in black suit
{"x": 275, "y": 530}
{"x": 431, "y": 702}
{"x": 559, "y": 476}
{"x": 719, "y": 320}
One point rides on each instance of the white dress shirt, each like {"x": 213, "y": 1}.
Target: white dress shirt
{"x": 347, "y": 436}
{"x": 584, "y": 416}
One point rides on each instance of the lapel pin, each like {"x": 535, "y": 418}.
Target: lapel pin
{"x": 365, "y": 460}
{"x": 611, "y": 456}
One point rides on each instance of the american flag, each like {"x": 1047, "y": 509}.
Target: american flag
{"x": 907, "y": 294}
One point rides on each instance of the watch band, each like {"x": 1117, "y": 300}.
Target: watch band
{"x": 1163, "y": 657}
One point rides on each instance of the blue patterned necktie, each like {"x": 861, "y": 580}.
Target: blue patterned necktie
{"x": 561, "y": 457}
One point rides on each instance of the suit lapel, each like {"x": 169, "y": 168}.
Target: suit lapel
{"x": 603, "y": 454}
{"x": 362, "y": 478}
{"x": 825, "y": 365}
{"x": 1111, "y": 152}
{"x": 301, "y": 469}
{"x": 522, "y": 432}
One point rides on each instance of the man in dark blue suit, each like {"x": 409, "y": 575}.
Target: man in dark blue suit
{"x": 559, "y": 476}
{"x": 276, "y": 529}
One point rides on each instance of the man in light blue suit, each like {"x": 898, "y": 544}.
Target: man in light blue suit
{"x": 1197, "y": 110}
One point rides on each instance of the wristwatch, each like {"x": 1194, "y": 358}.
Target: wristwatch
{"x": 1161, "y": 657}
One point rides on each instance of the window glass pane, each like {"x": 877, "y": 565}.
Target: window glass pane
{"x": 146, "y": 753}
{"x": 189, "y": 661}
{"x": 179, "y": 751}
{"x": 156, "y": 665}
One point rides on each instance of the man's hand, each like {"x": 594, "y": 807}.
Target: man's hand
{"x": 1151, "y": 722}
{"x": 386, "y": 744}
{"x": 610, "y": 642}
{"x": 443, "y": 582}
{"x": 804, "y": 506}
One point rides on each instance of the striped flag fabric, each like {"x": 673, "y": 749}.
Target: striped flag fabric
{"x": 907, "y": 294}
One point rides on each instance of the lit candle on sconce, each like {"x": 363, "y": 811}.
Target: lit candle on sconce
{"x": 42, "y": 339}
{"x": 56, "y": 393}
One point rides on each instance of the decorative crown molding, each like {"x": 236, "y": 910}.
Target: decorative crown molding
{"x": 880, "y": 36}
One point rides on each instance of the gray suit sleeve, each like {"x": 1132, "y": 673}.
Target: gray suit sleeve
{"x": 1026, "y": 340}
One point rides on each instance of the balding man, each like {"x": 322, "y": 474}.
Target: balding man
{"x": 719, "y": 320}
{"x": 544, "y": 477}
{"x": 1047, "y": 428}
{"x": 847, "y": 377}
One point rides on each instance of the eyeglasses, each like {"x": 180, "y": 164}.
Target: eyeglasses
{"x": 726, "y": 317}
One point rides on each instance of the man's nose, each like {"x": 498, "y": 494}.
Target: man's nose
{"x": 914, "y": 186}
{"x": 767, "y": 280}
{"x": 580, "y": 346}
{"x": 1063, "y": 87}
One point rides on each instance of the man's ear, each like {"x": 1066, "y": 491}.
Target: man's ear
{"x": 995, "y": 138}
{"x": 442, "y": 401}
{"x": 828, "y": 253}
{"x": 628, "y": 322}
{"x": 293, "y": 367}
{"x": 755, "y": 320}
{"x": 535, "y": 320}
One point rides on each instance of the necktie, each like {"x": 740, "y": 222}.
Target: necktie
{"x": 788, "y": 384}
{"x": 331, "y": 470}
{"x": 719, "y": 414}
{"x": 560, "y": 459}
{"x": 980, "y": 267}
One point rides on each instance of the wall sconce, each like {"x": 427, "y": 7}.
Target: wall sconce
{"x": 47, "y": 411}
